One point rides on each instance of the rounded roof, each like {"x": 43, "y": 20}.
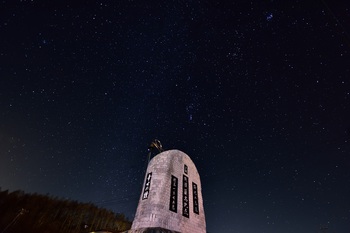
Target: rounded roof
{"x": 171, "y": 152}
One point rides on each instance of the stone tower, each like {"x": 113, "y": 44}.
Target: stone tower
{"x": 171, "y": 198}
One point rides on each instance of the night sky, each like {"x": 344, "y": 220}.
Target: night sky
{"x": 257, "y": 93}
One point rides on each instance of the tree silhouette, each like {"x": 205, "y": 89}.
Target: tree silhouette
{"x": 37, "y": 213}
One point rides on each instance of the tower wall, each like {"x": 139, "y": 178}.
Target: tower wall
{"x": 171, "y": 197}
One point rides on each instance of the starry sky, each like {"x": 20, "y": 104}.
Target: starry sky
{"x": 257, "y": 93}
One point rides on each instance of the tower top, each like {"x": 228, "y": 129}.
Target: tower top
{"x": 155, "y": 145}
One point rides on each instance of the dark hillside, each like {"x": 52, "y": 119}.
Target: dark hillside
{"x": 21, "y": 212}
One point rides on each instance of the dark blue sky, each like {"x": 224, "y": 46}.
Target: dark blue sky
{"x": 256, "y": 93}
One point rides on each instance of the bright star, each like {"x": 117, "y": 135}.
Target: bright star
{"x": 269, "y": 17}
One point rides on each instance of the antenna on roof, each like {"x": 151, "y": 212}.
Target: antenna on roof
{"x": 155, "y": 145}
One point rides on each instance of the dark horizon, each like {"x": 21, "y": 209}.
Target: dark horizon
{"x": 256, "y": 93}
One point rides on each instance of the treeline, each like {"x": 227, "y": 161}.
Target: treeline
{"x": 21, "y": 212}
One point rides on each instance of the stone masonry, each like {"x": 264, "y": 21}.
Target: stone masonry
{"x": 171, "y": 197}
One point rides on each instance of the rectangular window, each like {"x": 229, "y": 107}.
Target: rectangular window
{"x": 185, "y": 202}
{"x": 195, "y": 198}
{"x": 147, "y": 186}
{"x": 185, "y": 169}
{"x": 173, "y": 194}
